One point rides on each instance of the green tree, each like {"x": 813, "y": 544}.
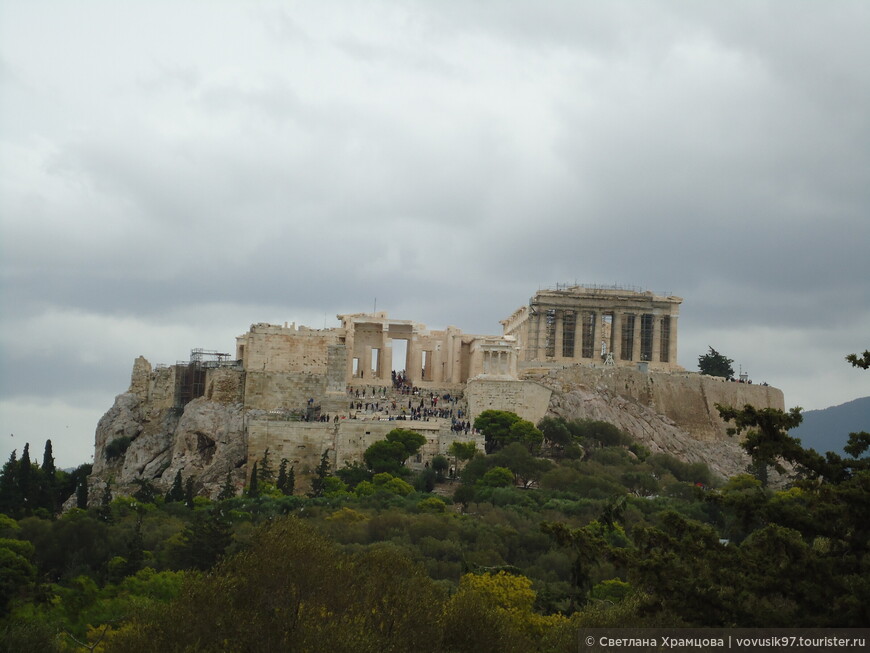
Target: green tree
{"x": 286, "y": 482}
{"x": 495, "y": 426}
{"x": 557, "y": 438}
{"x": 497, "y": 477}
{"x": 228, "y": 489}
{"x": 105, "y": 509}
{"x": 26, "y": 482}
{"x": 318, "y": 483}
{"x": 254, "y": 486}
{"x": 354, "y": 473}
{"x": 464, "y": 495}
{"x": 48, "y": 491}
{"x": 862, "y": 361}
{"x": 410, "y": 440}
{"x": 588, "y": 549}
{"x": 715, "y": 364}
{"x": 527, "y": 469}
{"x": 390, "y": 455}
{"x": 145, "y": 490}
{"x": 267, "y": 475}
{"x": 203, "y": 541}
{"x": 527, "y": 434}
{"x": 176, "y": 490}
{"x": 440, "y": 464}
{"x": 766, "y": 438}
{"x": 462, "y": 451}
{"x": 10, "y": 490}
{"x": 290, "y": 484}
{"x": 189, "y": 494}
{"x": 281, "y": 481}
{"x": 82, "y": 493}
{"x": 16, "y": 571}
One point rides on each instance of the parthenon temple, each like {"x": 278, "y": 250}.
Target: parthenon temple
{"x": 568, "y": 325}
{"x": 593, "y": 324}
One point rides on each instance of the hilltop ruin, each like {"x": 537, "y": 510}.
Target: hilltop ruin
{"x": 575, "y": 351}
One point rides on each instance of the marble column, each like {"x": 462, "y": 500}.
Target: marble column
{"x": 596, "y": 335}
{"x": 657, "y": 338}
{"x": 616, "y": 336}
{"x": 635, "y": 337}
{"x": 541, "y": 343}
{"x": 366, "y": 362}
{"x": 672, "y": 349}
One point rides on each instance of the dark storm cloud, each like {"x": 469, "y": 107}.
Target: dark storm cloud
{"x": 167, "y": 178}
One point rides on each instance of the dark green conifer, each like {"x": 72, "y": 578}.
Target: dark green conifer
{"x": 290, "y": 485}
{"x": 188, "y": 492}
{"x": 266, "y": 474}
{"x": 254, "y": 487}
{"x": 10, "y": 496}
{"x": 281, "y": 483}
{"x": 105, "y": 510}
{"x": 48, "y": 489}
{"x": 176, "y": 491}
{"x": 82, "y": 493}
{"x": 228, "y": 491}
{"x": 319, "y": 481}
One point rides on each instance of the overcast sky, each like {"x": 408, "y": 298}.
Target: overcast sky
{"x": 172, "y": 172}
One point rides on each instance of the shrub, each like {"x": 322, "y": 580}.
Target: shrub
{"x": 117, "y": 447}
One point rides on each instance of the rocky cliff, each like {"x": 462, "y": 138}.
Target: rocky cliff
{"x": 153, "y": 440}
{"x": 147, "y": 434}
{"x": 668, "y": 413}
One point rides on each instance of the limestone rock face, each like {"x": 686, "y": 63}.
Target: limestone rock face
{"x": 123, "y": 419}
{"x": 655, "y": 431}
{"x": 205, "y": 442}
{"x": 208, "y": 442}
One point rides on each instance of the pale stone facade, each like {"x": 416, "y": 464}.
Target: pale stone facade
{"x": 597, "y": 325}
{"x": 360, "y": 352}
{"x": 574, "y": 351}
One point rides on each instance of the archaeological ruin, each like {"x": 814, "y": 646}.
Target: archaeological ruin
{"x": 574, "y": 351}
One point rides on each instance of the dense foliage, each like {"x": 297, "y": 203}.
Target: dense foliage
{"x": 530, "y": 544}
{"x": 716, "y": 364}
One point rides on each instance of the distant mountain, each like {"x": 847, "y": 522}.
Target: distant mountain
{"x": 829, "y": 429}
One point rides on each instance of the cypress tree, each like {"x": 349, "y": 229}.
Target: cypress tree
{"x": 188, "y": 492}
{"x": 105, "y": 509}
{"x": 25, "y": 481}
{"x": 291, "y": 482}
{"x": 48, "y": 492}
{"x": 254, "y": 487}
{"x": 82, "y": 493}
{"x": 281, "y": 483}
{"x": 176, "y": 491}
{"x": 319, "y": 481}
{"x": 48, "y": 460}
{"x": 10, "y": 493}
{"x": 266, "y": 473}
{"x": 228, "y": 491}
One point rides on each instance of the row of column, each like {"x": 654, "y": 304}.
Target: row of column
{"x": 599, "y": 348}
{"x": 496, "y": 362}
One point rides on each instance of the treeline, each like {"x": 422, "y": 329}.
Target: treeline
{"x": 563, "y": 525}
{"x": 27, "y": 488}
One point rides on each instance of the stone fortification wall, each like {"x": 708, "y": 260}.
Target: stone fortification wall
{"x": 156, "y": 387}
{"x": 528, "y": 399}
{"x": 686, "y": 399}
{"x": 668, "y": 413}
{"x": 282, "y": 391}
{"x": 225, "y": 385}
{"x": 303, "y": 443}
{"x": 270, "y": 348}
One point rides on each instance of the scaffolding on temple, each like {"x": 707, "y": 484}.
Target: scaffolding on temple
{"x": 190, "y": 379}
